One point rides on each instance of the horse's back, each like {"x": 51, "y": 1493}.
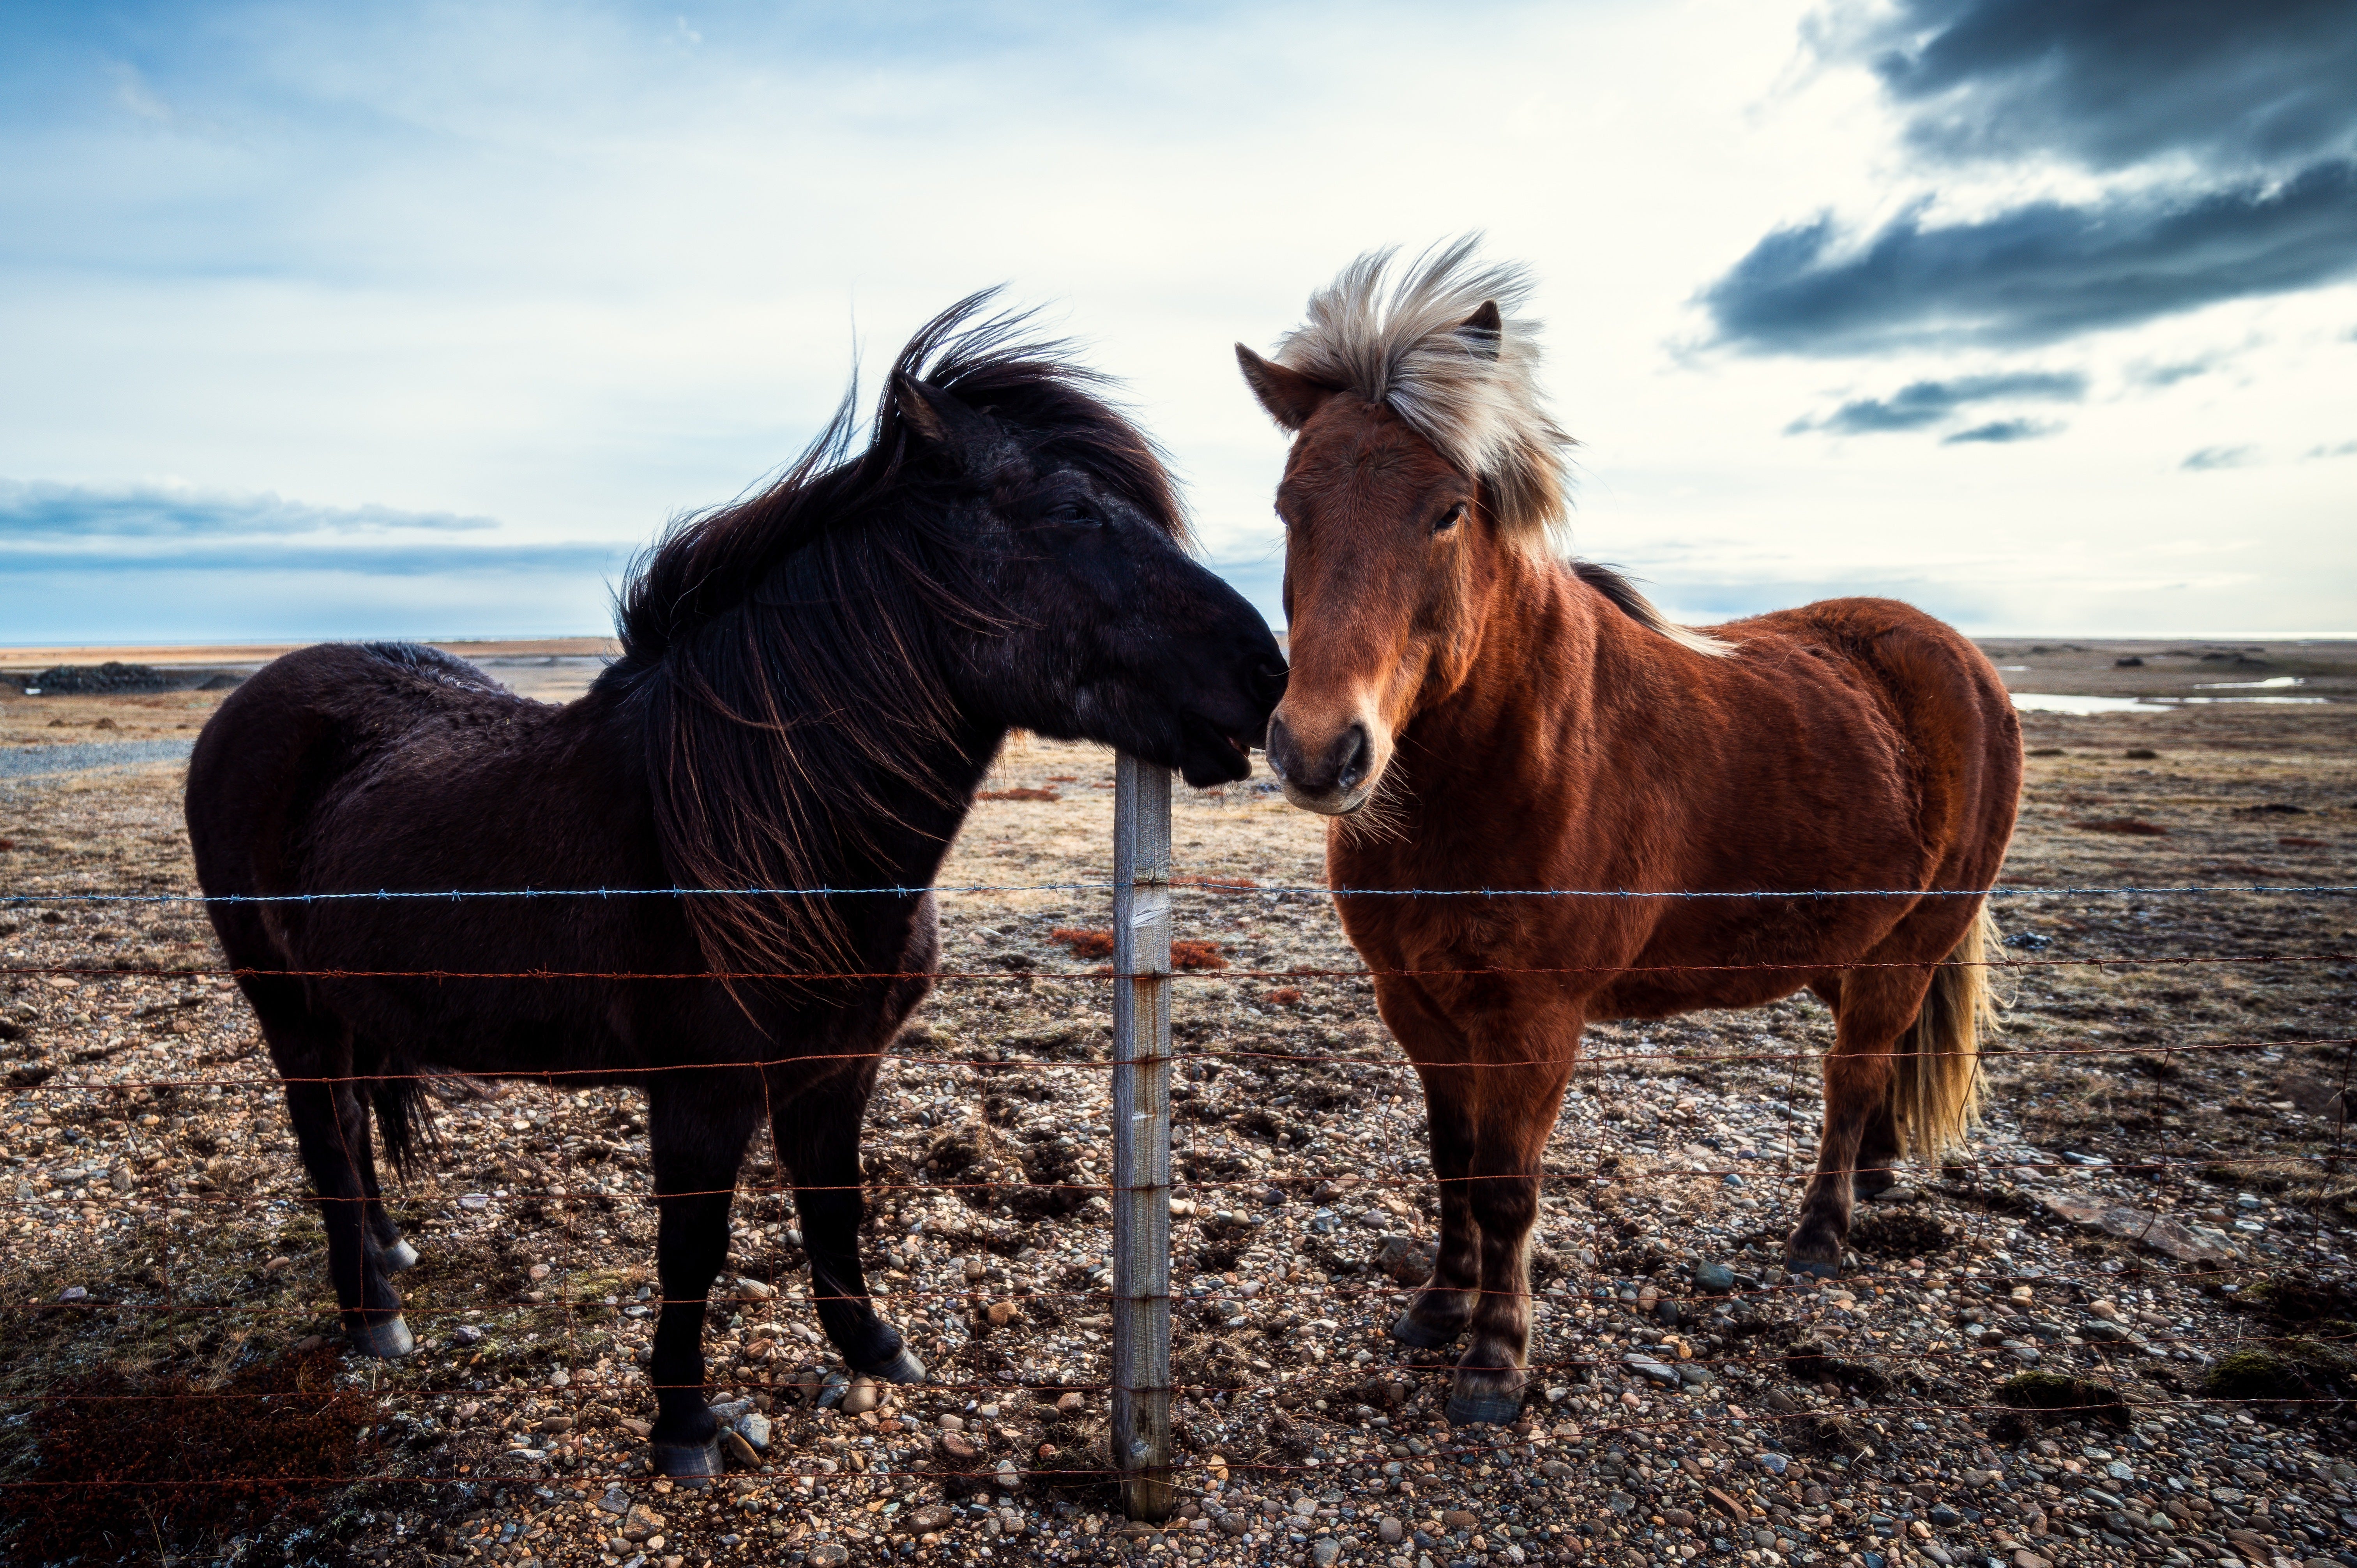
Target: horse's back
{"x": 289, "y": 734}
{"x": 1930, "y": 687}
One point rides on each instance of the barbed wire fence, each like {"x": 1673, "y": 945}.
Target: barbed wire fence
{"x": 1144, "y": 1459}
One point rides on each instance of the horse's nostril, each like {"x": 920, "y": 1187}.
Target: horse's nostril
{"x": 1358, "y": 755}
{"x": 1279, "y": 746}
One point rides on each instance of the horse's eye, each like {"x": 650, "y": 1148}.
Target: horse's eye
{"x": 1451, "y": 518}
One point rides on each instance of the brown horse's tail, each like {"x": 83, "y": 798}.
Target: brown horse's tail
{"x": 1935, "y": 1092}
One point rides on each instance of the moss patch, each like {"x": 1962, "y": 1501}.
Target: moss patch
{"x": 2051, "y": 1392}
{"x": 2302, "y": 1369}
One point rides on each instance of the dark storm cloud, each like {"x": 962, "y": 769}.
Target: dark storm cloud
{"x": 2108, "y": 83}
{"x": 150, "y": 528}
{"x": 2169, "y": 375}
{"x": 1921, "y": 404}
{"x": 2243, "y": 113}
{"x": 81, "y": 512}
{"x": 1999, "y": 432}
{"x": 2040, "y": 273}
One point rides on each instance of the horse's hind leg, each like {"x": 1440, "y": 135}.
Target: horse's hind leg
{"x": 331, "y": 1130}
{"x": 697, "y": 1126}
{"x": 1878, "y": 1151}
{"x": 1877, "y": 1006}
{"x": 818, "y": 1143}
{"x": 394, "y": 1255}
{"x": 1878, "y": 1147}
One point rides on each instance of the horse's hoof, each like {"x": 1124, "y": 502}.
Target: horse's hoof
{"x": 388, "y": 1341}
{"x": 1418, "y": 1336}
{"x": 1484, "y": 1409}
{"x": 903, "y": 1368}
{"x": 1817, "y": 1268}
{"x": 696, "y": 1465}
{"x": 1866, "y": 1185}
{"x": 400, "y": 1258}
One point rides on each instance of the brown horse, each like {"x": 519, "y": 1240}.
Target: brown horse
{"x": 1475, "y": 712}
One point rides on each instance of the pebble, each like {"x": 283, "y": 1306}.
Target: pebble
{"x": 1388, "y": 1530}
{"x": 926, "y": 1520}
{"x": 1713, "y": 1279}
{"x": 1659, "y": 1371}
{"x": 1067, "y": 1403}
{"x": 756, "y": 1428}
{"x": 861, "y": 1397}
{"x": 1002, "y": 1313}
{"x": 829, "y": 1555}
{"x": 1326, "y": 1552}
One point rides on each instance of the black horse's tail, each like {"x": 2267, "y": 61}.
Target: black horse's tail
{"x": 402, "y": 1121}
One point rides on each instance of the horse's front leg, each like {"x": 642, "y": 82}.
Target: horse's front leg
{"x": 1440, "y": 1309}
{"x": 817, "y": 1137}
{"x": 1436, "y": 1313}
{"x": 697, "y": 1126}
{"x": 1517, "y": 1111}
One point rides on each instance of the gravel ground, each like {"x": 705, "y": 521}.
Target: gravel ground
{"x": 2117, "y": 1328}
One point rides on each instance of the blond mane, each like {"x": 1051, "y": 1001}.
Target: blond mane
{"x": 1406, "y": 345}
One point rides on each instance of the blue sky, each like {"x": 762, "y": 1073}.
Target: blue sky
{"x": 417, "y": 319}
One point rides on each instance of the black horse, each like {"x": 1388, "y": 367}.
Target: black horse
{"x": 813, "y": 683}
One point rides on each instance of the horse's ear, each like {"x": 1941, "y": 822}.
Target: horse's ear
{"x": 1289, "y": 396}
{"x": 938, "y": 418}
{"x": 1484, "y": 331}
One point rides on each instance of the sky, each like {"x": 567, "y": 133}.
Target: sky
{"x": 402, "y": 319}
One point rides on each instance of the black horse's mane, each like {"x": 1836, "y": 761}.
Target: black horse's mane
{"x": 779, "y": 648}
{"x": 708, "y": 564}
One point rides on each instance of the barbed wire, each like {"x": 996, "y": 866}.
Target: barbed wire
{"x": 1024, "y": 977}
{"x": 1178, "y": 884}
{"x": 1359, "y": 1183}
{"x": 989, "y": 1065}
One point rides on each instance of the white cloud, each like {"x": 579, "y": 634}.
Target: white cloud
{"x": 576, "y": 269}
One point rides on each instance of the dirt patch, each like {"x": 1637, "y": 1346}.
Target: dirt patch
{"x": 122, "y": 1466}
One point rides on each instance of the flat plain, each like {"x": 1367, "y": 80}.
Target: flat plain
{"x": 2118, "y": 1327}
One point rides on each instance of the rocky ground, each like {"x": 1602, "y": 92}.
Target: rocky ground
{"x": 2117, "y": 1328}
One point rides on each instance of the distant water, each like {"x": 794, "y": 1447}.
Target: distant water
{"x": 2053, "y": 703}
{"x": 83, "y": 757}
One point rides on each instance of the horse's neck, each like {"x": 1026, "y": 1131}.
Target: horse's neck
{"x": 1534, "y": 664}
{"x": 912, "y": 822}
{"x": 1518, "y": 730}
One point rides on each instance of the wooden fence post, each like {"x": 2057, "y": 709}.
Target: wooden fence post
{"x": 1141, "y": 1137}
